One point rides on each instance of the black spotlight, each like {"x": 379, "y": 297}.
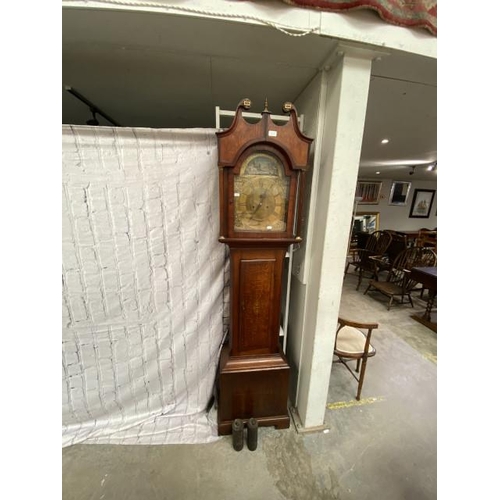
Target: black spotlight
{"x": 93, "y": 120}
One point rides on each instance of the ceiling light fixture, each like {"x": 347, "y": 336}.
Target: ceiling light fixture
{"x": 384, "y": 141}
{"x": 412, "y": 170}
{"x": 377, "y": 173}
{"x": 92, "y": 107}
{"x": 93, "y": 120}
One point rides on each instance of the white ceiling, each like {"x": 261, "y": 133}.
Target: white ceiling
{"x": 159, "y": 70}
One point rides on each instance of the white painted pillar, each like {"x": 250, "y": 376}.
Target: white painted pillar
{"x": 341, "y": 124}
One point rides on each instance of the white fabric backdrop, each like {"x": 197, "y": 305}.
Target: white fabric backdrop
{"x": 143, "y": 281}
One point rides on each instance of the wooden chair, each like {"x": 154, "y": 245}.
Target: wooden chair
{"x": 358, "y": 241}
{"x": 427, "y": 239}
{"x": 363, "y": 262}
{"x": 399, "y": 242}
{"x": 353, "y": 343}
{"x": 398, "y": 283}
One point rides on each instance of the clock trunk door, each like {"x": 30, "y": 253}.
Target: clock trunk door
{"x": 256, "y": 301}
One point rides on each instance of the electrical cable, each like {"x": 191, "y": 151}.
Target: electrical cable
{"x": 281, "y": 27}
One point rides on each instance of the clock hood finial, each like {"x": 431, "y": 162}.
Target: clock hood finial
{"x": 266, "y": 110}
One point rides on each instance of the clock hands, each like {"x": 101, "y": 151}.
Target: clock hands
{"x": 262, "y": 197}
{"x": 260, "y": 204}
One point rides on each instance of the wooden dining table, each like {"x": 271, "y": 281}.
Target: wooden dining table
{"x": 427, "y": 276}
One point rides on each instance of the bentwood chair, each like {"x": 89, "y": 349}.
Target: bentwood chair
{"x": 353, "y": 343}
{"x": 398, "y": 282}
{"x": 364, "y": 262}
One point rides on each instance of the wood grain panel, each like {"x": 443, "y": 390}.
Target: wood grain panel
{"x": 256, "y": 302}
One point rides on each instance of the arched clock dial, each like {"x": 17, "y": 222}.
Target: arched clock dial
{"x": 261, "y": 194}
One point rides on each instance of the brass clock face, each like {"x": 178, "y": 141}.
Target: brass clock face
{"x": 261, "y": 193}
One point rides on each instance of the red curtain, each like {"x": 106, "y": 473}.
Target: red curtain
{"x": 409, "y": 13}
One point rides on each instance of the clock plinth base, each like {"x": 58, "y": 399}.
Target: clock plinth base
{"x": 253, "y": 387}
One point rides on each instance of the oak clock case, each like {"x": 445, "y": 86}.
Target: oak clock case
{"x": 261, "y": 170}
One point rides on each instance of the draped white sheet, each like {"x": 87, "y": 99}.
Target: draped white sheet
{"x": 143, "y": 281}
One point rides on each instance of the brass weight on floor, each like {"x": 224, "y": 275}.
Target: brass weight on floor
{"x": 252, "y": 434}
{"x": 238, "y": 428}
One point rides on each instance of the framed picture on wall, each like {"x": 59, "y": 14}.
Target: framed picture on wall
{"x": 399, "y": 193}
{"x": 422, "y": 203}
{"x": 369, "y": 192}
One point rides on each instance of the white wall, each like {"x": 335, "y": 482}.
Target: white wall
{"x": 396, "y": 217}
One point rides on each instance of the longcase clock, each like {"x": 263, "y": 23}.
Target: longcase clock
{"x": 261, "y": 181}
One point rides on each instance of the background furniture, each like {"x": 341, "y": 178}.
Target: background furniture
{"x": 398, "y": 244}
{"x": 363, "y": 262}
{"x": 428, "y": 277}
{"x": 399, "y": 282}
{"x": 427, "y": 238}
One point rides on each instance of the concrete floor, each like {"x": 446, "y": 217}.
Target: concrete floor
{"x": 382, "y": 448}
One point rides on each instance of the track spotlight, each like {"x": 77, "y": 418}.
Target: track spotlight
{"x": 93, "y": 108}
{"x": 93, "y": 120}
